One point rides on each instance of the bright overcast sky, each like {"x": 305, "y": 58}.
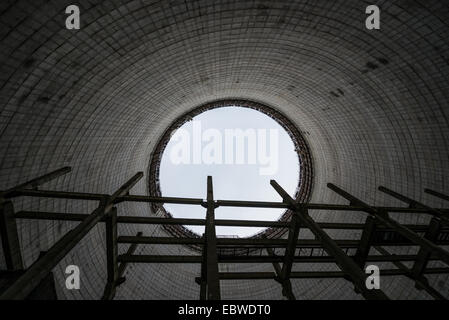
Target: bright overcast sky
{"x": 230, "y": 181}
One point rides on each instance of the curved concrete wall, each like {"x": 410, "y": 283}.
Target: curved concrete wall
{"x": 371, "y": 104}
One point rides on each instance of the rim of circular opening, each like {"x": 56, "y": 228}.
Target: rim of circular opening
{"x": 303, "y": 190}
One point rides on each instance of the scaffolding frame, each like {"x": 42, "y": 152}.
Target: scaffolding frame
{"x": 378, "y": 232}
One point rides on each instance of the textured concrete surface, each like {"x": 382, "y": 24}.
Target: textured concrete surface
{"x": 373, "y": 106}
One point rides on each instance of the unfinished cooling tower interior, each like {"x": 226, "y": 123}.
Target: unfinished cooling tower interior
{"x": 224, "y": 150}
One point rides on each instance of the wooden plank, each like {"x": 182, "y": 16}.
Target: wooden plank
{"x": 111, "y": 255}
{"x": 213, "y": 282}
{"x": 10, "y": 237}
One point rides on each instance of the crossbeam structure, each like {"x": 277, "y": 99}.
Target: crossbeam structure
{"x": 379, "y": 232}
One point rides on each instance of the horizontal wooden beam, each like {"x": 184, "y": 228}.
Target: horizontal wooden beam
{"x": 201, "y": 202}
{"x": 315, "y": 274}
{"x": 254, "y": 259}
{"x": 199, "y": 222}
{"x": 253, "y": 242}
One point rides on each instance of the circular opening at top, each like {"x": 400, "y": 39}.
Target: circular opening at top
{"x": 242, "y": 149}
{"x": 242, "y": 145}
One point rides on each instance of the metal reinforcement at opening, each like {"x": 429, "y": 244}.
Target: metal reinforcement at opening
{"x": 379, "y": 231}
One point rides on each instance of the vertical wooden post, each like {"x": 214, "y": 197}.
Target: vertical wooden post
{"x": 286, "y": 283}
{"x": 213, "y": 282}
{"x": 111, "y": 254}
{"x": 289, "y": 256}
{"x": 420, "y": 281}
{"x": 365, "y": 242}
{"x": 203, "y": 278}
{"x": 424, "y": 254}
{"x": 10, "y": 237}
